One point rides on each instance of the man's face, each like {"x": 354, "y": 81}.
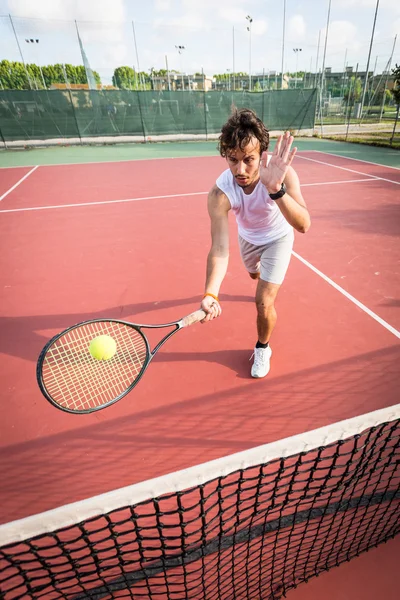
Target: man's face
{"x": 244, "y": 164}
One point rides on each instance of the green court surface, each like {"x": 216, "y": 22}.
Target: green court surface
{"x": 121, "y": 152}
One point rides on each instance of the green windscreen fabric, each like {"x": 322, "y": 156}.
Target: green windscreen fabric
{"x": 31, "y": 115}
{"x": 54, "y": 114}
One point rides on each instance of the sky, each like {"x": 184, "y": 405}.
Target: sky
{"x": 214, "y": 34}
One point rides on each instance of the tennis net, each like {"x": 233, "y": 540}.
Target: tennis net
{"x": 251, "y": 525}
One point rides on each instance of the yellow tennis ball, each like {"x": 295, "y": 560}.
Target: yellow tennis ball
{"x": 103, "y": 347}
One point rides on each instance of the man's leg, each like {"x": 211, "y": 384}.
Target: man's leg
{"x": 266, "y": 313}
{"x": 274, "y": 263}
{"x": 266, "y": 320}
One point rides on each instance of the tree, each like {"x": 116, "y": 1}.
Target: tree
{"x": 396, "y": 86}
{"x": 125, "y": 78}
{"x": 160, "y": 73}
{"x": 14, "y": 75}
{"x": 353, "y": 92}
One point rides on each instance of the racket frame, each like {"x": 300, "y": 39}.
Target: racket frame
{"x": 177, "y": 325}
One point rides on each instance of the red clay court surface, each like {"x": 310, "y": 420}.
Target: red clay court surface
{"x": 129, "y": 240}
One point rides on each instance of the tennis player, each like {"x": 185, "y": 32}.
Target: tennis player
{"x": 263, "y": 191}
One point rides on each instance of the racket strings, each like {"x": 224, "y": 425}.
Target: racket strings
{"x": 77, "y": 381}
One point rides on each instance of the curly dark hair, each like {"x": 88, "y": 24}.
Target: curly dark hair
{"x": 237, "y": 132}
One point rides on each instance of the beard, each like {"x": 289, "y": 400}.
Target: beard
{"x": 249, "y": 182}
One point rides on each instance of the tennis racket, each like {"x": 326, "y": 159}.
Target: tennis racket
{"x": 76, "y": 382}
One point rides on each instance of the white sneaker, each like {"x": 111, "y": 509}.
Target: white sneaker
{"x": 261, "y": 364}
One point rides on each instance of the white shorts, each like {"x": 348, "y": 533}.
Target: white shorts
{"x": 271, "y": 260}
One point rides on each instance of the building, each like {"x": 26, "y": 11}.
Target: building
{"x": 182, "y": 81}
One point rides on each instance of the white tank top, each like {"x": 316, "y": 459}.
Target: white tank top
{"x": 258, "y": 217}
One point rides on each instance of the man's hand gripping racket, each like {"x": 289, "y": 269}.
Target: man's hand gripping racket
{"x": 74, "y": 380}
{"x": 211, "y": 306}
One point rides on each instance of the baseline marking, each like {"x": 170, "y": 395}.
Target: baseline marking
{"x": 348, "y": 296}
{"x": 122, "y": 160}
{"x": 18, "y": 182}
{"x": 125, "y": 160}
{"x": 10, "y": 210}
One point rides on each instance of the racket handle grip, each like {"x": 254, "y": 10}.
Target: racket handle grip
{"x": 194, "y": 317}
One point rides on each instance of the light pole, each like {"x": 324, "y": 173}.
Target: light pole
{"x": 296, "y": 51}
{"x": 250, "y": 20}
{"x": 180, "y": 50}
{"x": 32, "y": 41}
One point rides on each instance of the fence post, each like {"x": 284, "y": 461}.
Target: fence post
{"x": 2, "y": 137}
{"x": 74, "y": 113}
{"x": 205, "y": 110}
{"x": 262, "y": 111}
{"x": 395, "y": 124}
{"x": 141, "y": 116}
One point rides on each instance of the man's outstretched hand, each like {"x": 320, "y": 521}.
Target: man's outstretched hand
{"x": 273, "y": 174}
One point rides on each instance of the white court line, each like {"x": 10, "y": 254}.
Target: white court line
{"x": 27, "y": 209}
{"x": 124, "y": 160}
{"x": 101, "y": 202}
{"x": 337, "y": 182}
{"x": 321, "y": 162}
{"x": 18, "y": 182}
{"x": 348, "y": 296}
{"x": 368, "y": 162}
{"x": 112, "y": 162}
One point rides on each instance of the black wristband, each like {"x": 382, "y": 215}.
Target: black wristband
{"x": 279, "y": 194}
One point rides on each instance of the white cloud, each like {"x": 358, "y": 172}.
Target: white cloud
{"x": 162, "y": 5}
{"x": 296, "y": 28}
{"x": 395, "y": 27}
{"x": 46, "y": 9}
{"x": 116, "y": 55}
{"x": 106, "y": 33}
{"x": 189, "y": 20}
{"x": 259, "y": 27}
{"x": 341, "y": 34}
{"x": 98, "y": 10}
{"x": 232, "y": 15}
{"x": 360, "y": 4}
{"x": 204, "y": 27}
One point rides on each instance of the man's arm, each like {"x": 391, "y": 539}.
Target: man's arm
{"x": 292, "y": 204}
{"x": 278, "y": 171}
{"x": 218, "y": 256}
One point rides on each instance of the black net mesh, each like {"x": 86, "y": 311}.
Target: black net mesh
{"x": 254, "y": 533}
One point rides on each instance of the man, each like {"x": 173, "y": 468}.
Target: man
{"x": 264, "y": 194}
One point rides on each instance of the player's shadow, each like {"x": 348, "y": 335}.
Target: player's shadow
{"x": 381, "y": 220}
{"x": 25, "y": 336}
{"x": 235, "y": 360}
{"x": 394, "y": 302}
